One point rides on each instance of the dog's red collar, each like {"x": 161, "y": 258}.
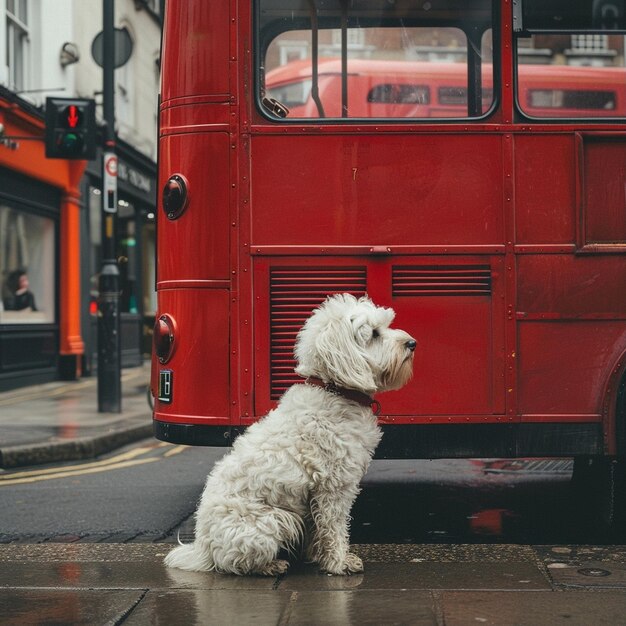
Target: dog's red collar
{"x": 350, "y": 394}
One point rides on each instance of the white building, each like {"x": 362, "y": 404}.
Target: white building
{"x": 46, "y": 50}
{"x": 45, "y": 53}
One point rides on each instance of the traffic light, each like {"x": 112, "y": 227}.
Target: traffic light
{"x": 70, "y": 128}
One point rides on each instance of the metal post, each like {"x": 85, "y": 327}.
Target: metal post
{"x": 109, "y": 353}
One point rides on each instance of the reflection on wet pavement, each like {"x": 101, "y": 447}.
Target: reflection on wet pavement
{"x": 471, "y": 500}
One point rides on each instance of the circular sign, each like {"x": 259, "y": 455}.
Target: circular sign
{"x": 110, "y": 165}
{"x": 122, "y": 46}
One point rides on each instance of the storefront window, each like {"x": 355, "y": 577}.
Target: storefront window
{"x": 126, "y": 252}
{"x": 149, "y": 267}
{"x": 27, "y": 267}
{"x": 127, "y": 256}
{"x": 95, "y": 236}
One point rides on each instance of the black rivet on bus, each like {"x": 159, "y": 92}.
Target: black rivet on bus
{"x": 175, "y": 196}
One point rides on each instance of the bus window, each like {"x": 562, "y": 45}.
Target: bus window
{"x": 373, "y": 59}
{"x": 571, "y": 75}
{"x": 576, "y": 99}
{"x": 399, "y": 94}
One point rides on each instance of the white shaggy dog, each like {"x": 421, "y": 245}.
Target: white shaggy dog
{"x": 292, "y": 478}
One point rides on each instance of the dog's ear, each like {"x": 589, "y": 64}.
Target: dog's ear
{"x": 340, "y": 359}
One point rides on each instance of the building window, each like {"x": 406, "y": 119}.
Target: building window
{"x": 17, "y": 42}
{"x": 590, "y": 42}
{"x": 27, "y": 267}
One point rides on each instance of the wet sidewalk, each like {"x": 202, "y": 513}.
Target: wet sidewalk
{"x": 59, "y": 421}
{"x": 438, "y": 585}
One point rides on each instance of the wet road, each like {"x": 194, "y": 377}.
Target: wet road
{"x": 148, "y": 491}
{"x": 448, "y": 501}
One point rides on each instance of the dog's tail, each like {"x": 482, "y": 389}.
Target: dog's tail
{"x": 190, "y": 557}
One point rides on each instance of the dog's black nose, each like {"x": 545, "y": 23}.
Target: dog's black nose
{"x": 411, "y": 344}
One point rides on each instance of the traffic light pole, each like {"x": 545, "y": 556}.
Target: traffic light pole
{"x": 109, "y": 353}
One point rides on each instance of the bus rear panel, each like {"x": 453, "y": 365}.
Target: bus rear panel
{"x": 464, "y": 164}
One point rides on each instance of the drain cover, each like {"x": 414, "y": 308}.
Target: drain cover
{"x": 593, "y": 571}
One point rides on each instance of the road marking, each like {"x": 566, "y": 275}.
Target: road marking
{"x": 79, "y": 472}
{"x": 176, "y": 450}
{"x": 69, "y": 468}
{"x": 115, "y": 462}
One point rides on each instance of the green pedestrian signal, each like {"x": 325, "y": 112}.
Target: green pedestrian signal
{"x": 70, "y": 128}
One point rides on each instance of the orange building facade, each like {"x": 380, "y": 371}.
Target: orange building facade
{"x": 40, "y": 325}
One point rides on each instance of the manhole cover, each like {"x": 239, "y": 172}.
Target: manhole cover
{"x": 595, "y": 572}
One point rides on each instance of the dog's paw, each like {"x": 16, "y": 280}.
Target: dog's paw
{"x": 352, "y": 564}
{"x": 275, "y": 568}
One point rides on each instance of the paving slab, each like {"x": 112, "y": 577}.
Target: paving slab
{"x": 210, "y": 608}
{"x": 580, "y": 608}
{"x": 425, "y": 575}
{"x": 69, "y": 606}
{"x": 120, "y": 575}
{"x": 436, "y": 585}
{"x": 375, "y": 607}
{"x": 589, "y": 574}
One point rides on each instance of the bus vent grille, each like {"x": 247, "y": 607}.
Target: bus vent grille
{"x": 294, "y": 293}
{"x": 441, "y": 280}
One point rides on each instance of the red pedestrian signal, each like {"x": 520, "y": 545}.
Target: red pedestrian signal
{"x": 72, "y": 116}
{"x": 70, "y": 128}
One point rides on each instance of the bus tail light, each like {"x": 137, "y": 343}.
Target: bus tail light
{"x": 164, "y": 337}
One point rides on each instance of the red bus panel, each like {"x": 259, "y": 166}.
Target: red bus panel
{"x": 195, "y": 246}
{"x": 200, "y": 386}
{"x": 195, "y": 49}
{"x": 375, "y": 189}
{"x": 453, "y": 304}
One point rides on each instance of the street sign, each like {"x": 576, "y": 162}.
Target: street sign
{"x": 123, "y": 46}
{"x": 110, "y": 182}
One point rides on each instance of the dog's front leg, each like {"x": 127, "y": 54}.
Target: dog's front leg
{"x": 330, "y": 542}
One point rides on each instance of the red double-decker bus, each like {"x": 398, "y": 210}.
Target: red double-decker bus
{"x": 487, "y": 210}
{"x": 419, "y": 89}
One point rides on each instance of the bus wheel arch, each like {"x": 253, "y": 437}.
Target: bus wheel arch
{"x": 614, "y": 410}
{"x": 620, "y": 417}
{"x": 600, "y": 481}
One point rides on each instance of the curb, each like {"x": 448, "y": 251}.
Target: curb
{"x": 72, "y": 450}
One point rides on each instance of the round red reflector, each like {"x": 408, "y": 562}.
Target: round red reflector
{"x": 163, "y": 337}
{"x": 175, "y": 196}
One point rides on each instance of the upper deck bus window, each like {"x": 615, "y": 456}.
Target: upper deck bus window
{"x": 374, "y": 59}
{"x": 570, "y": 59}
